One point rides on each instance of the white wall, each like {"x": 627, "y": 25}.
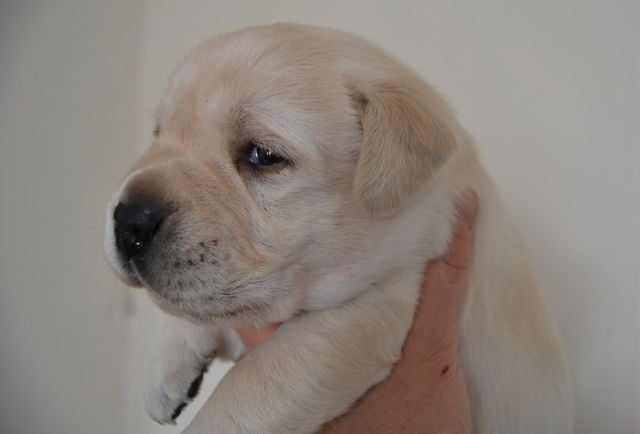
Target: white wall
{"x": 67, "y": 85}
{"x": 549, "y": 89}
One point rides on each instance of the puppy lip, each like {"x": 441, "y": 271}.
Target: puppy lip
{"x": 133, "y": 281}
{"x": 239, "y": 310}
{"x": 235, "y": 312}
{"x": 249, "y": 308}
{"x": 131, "y": 276}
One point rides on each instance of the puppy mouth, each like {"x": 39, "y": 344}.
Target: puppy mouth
{"x": 207, "y": 316}
{"x": 131, "y": 275}
{"x": 246, "y": 309}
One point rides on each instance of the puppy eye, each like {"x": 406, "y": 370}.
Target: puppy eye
{"x": 259, "y": 156}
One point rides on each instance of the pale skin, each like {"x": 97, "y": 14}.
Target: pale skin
{"x": 425, "y": 392}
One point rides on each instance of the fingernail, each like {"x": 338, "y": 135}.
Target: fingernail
{"x": 467, "y": 209}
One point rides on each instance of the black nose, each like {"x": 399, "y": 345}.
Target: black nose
{"x": 135, "y": 226}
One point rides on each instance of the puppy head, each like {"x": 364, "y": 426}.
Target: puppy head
{"x": 278, "y": 151}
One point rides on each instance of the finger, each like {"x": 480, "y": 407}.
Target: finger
{"x": 460, "y": 248}
{"x": 252, "y": 337}
{"x": 444, "y": 286}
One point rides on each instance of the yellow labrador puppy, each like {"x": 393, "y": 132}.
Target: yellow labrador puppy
{"x": 303, "y": 175}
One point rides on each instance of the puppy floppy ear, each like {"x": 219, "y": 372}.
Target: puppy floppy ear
{"x": 406, "y": 137}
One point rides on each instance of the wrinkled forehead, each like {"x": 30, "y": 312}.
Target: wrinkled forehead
{"x": 291, "y": 88}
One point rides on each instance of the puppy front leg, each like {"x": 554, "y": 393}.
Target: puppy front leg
{"x": 182, "y": 355}
{"x": 314, "y": 367}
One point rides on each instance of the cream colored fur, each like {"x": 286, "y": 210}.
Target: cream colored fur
{"x": 333, "y": 244}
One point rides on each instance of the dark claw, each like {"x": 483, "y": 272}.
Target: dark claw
{"x": 191, "y": 393}
{"x": 195, "y": 387}
{"x": 178, "y": 410}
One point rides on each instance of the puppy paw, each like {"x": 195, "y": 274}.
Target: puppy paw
{"x": 173, "y": 386}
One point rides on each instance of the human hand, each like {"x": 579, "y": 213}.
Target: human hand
{"x": 426, "y": 390}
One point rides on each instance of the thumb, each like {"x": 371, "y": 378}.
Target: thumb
{"x": 459, "y": 254}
